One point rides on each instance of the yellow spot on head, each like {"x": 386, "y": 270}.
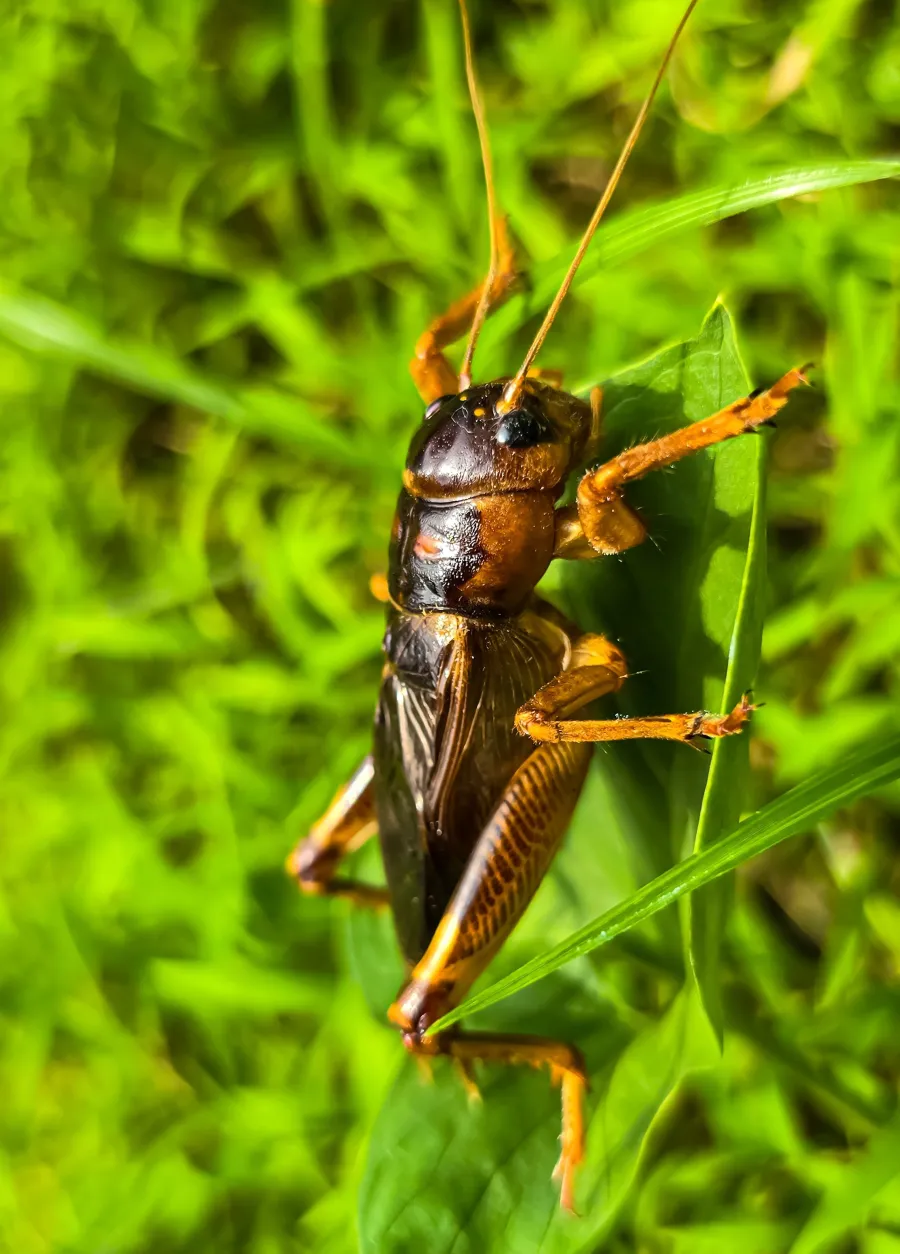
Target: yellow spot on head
{"x": 464, "y": 397}
{"x": 479, "y": 412}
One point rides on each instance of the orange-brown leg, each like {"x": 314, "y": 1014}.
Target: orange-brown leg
{"x": 545, "y": 728}
{"x": 597, "y": 667}
{"x": 602, "y": 521}
{"x": 347, "y": 823}
{"x": 431, "y": 371}
{"x": 566, "y": 1067}
{"x": 506, "y": 866}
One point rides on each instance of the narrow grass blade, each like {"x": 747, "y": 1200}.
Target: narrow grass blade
{"x": 859, "y": 773}
{"x": 632, "y": 232}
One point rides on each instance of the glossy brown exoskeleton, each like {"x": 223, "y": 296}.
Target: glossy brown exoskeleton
{"x": 477, "y": 762}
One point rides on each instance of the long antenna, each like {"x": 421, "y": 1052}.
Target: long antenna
{"x": 465, "y": 370}
{"x": 514, "y": 387}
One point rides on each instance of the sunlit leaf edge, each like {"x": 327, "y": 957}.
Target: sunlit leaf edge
{"x": 728, "y": 770}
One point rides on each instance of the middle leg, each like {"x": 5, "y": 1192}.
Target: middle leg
{"x": 595, "y": 669}
{"x": 685, "y": 728}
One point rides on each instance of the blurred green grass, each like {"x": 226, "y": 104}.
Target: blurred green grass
{"x": 279, "y": 197}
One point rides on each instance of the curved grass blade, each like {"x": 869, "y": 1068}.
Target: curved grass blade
{"x": 632, "y": 232}
{"x": 797, "y": 811}
{"x": 43, "y": 326}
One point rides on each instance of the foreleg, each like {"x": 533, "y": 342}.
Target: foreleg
{"x": 602, "y": 521}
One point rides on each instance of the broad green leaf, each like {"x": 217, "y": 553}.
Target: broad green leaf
{"x": 685, "y": 607}
{"x": 857, "y": 775}
{"x": 451, "y": 1175}
{"x": 702, "y": 514}
{"x": 632, "y": 232}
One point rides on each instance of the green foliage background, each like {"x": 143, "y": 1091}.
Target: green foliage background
{"x": 222, "y": 228}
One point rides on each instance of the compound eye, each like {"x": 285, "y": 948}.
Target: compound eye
{"x": 435, "y": 405}
{"x": 521, "y": 428}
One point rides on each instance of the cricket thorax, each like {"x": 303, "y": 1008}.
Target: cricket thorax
{"x": 474, "y": 528}
{"x": 479, "y": 557}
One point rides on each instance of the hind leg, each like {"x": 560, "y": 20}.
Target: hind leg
{"x": 566, "y": 1067}
{"x": 508, "y": 862}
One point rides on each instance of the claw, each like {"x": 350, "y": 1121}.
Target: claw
{"x": 712, "y": 726}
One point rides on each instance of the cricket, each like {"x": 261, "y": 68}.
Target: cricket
{"x": 478, "y": 755}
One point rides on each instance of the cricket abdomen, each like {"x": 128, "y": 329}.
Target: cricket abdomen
{"x": 446, "y": 747}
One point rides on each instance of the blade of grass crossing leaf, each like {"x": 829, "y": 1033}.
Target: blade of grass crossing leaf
{"x": 859, "y": 773}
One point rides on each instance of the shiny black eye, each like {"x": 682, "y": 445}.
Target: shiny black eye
{"x": 435, "y": 405}
{"x": 521, "y": 428}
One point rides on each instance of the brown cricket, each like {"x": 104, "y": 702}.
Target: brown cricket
{"x": 477, "y": 760}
